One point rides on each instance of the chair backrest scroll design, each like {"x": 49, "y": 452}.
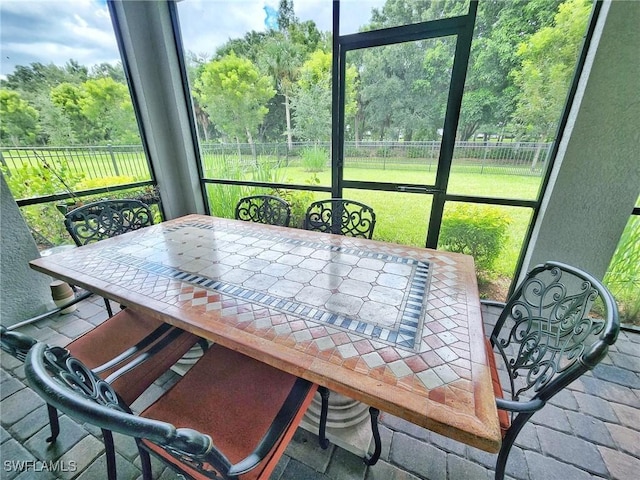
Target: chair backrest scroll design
{"x": 264, "y": 209}
{"x": 340, "y": 216}
{"x": 107, "y": 218}
{"x": 549, "y": 332}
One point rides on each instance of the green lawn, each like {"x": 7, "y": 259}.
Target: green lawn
{"x": 403, "y": 217}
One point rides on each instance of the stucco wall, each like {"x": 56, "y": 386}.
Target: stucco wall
{"x": 24, "y": 292}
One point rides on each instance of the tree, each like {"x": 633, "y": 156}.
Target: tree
{"x": 56, "y": 128}
{"x": 311, "y": 99}
{"x": 490, "y": 92}
{"x": 282, "y": 59}
{"x": 19, "y": 124}
{"x": 195, "y": 64}
{"x": 65, "y": 102}
{"x": 286, "y": 15}
{"x": 37, "y": 77}
{"x": 548, "y": 63}
{"x": 106, "y": 103}
{"x": 234, "y": 94}
{"x": 116, "y": 72}
{"x": 404, "y": 86}
{"x": 247, "y": 47}
{"x": 393, "y": 102}
{"x": 489, "y": 95}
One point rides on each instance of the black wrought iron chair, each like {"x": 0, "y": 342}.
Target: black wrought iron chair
{"x": 264, "y": 209}
{"x": 557, "y": 325}
{"x": 340, "y": 216}
{"x": 235, "y": 415}
{"x": 113, "y": 348}
{"x": 104, "y": 219}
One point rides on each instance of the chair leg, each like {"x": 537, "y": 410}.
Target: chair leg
{"x": 108, "y": 305}
{"x": 110, "y": 454}
{"x": 204, "y": 345}
{"x": 54, "y": 424}
{"x": 373, "y": 459}
{"x": 145, "y": 461}
{"x": 508, "y": 441}
{"x": 322, "y": 438}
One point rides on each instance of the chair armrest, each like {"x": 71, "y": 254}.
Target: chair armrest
{"x": 493, "y": 303}
{"x": 16, "y": 344}
{"x": 139, "y": 360}
{"x": 513, "y": 406}
{"x": 128, "y": 353}
{"x": 285, "y": 416}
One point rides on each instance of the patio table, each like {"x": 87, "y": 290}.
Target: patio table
{"x": 398, "y": 328}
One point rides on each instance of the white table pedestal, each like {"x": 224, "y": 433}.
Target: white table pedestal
{"x": 348, "y": 423}
{"x": 188, "y": 360}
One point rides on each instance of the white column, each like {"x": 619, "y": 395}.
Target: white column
{"x": 596, "y": 179}
{"x": 149, "y": 45}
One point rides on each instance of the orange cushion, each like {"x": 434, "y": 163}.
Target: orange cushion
{"x": 503, "y": 415}
{"x": 234, "y": 399}
{"x": 115, "y": 335}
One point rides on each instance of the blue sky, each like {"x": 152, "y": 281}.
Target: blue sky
{"x": 56, "y": 30}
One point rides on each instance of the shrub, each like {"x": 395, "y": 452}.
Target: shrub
{"x": 91, "y": 183}
{"x": 314, "y": 159}
{"x": 623, "y": 276}
{"x": 479, "y": 231}
{"x": 299, "y": 201}
{"x": 383, "y": 152}
{"x": 417, "y": 152}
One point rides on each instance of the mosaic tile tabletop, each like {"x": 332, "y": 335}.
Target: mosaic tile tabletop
{"x": 396, "y": 327}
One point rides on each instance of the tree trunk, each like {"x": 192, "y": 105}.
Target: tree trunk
{"x": 253, "y": 147}
{"x": 287, "y": 111}
{"x": 534, "y": 163}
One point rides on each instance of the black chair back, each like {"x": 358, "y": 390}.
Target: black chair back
{"x": 558, "y": 320}
{"x": 342, "y": 217}
{"x": 264, "y": 209}
{"x": 107, "y": 218}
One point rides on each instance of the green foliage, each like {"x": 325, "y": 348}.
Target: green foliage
{"x": 547, "y": 64}
{"x": 234, "y": 94}
{"x": 107, "y": 104}
{"x": 101, "y": 182}
{"x": 48, "y": 178}
{"x": 311, "y": 97}
{"x": 314, "y": 159}
{"x": 416, "y": 152}
{"x": 623, "y": 276}
{"x": 223, "y": 198}
{"x": 384, "y": 152}
{"x": 299, "y": 201}
{"x": 479, "y": 231}
{"x": 37, "y": 180}
{"x": 19, "y": 120}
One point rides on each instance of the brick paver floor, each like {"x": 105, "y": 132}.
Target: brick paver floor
{"x": 589, "y": 431}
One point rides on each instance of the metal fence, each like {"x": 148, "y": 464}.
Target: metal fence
{"x": 89, "y": 161}
{"x": 517, "y": 158}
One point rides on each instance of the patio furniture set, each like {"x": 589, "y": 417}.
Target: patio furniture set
{"x": 282, "y": 315}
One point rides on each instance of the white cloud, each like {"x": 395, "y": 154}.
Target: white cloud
{"x": 54, "y": 31}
